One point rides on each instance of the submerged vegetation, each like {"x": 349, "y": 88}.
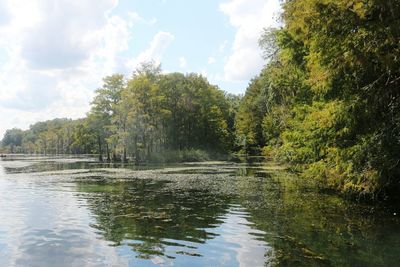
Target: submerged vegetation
{"x": 200, "y": 214}
{"x": 327, "y": 102}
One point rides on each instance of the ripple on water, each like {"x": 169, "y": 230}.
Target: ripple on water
{"x": 194, "y": 215}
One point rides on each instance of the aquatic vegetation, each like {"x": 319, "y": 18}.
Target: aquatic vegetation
{"x": 197, "y": 212}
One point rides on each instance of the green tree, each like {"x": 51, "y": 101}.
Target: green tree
{"x": 330, "y": 92}
{"x": 12, "y": 139}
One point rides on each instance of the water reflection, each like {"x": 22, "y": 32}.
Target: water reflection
{"x": 43, "y": 227}
{"x": 1, "y": 169}
{"x": 35, "y": 164}
{"x": 206, "y": 215}
{"x": 308, "y": 228}
{"x": 180, "y": 227}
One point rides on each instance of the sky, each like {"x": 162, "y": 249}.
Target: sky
{"x": 54, "y": 53}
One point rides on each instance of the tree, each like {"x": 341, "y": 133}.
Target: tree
{"x": 13, "y": 138}
{"x": 330, "y": 92}
{"x": 104, "y": 111}
{"x": 149, "y": 116}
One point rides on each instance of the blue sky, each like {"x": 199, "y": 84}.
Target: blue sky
{"x": 54, "y": 53}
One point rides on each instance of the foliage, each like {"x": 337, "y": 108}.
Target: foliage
{"x": 328, "y": 97}
{"x": 58, "y": 136}
{"x": 185, "y": 155}
{"x": 327, "y": 101}
{"x": 149, "y": 117}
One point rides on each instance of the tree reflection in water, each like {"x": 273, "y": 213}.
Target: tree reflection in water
{"x": 149, "y": 218}
{"x": 292, "y": 222}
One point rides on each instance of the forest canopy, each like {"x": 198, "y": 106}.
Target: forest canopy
{"x": 328, "y": 100}
{"x": 149, "y": 117}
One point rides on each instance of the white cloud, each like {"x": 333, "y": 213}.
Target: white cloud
{"x": 135, "y": 17}
{"x": 57, "y": 53}
{"x": 249, "y": 17}
{"x": 65, "y": 35}
{"x": 157, "y": 47}
{"x": 155, "y": 51}
{"x": 211, "y": 60}
{"x": 182, "y": 62}
{"x": 114, "y": 37}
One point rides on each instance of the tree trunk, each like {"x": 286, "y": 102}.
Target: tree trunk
{"x": 108, "y": 153}
{"x": 124, "y": 159}
{"x": 136, "y": 151}
{"x": 100, "y": 149}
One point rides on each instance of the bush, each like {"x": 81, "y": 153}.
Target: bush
{"x": 174, "y": 156}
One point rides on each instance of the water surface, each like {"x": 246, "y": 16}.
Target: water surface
{"x": 78, "y": 212}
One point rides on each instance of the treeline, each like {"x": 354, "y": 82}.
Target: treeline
{"x": 58, "y": 136}
{"x": 149, "y": 117}
{"x": 328, "y": 100}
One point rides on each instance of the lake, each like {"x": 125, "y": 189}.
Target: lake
{"x": 57, "y": 211}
